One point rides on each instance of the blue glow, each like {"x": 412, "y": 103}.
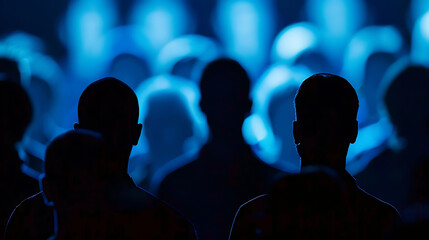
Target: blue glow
{"x": 420, "y": 40}
{"x": 190, "y": 92}
{"x": 418, "y": 8}
{"x": 10, "y": 50}
{"x": 369, "y": 40}
{"x": 200, "y": 47}
{"x": 159, "y": 22}
{"x": 158, "y": 37}
{"x": 86, "y": 24}
{"x": 337, "y": 20}
{"x": 368, "y": 141}
{"x": 293, "y": 40}
{"x": 245, "y": 28}
{"x": 257, "y": 130}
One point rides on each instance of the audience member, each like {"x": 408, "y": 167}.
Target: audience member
{"x": 326, "y": 110}
{"x": 226, "y": 173}
{"x": 389, "y": 176}
{"x": 168, "y": 125}
{"x": 110, "y": 107}
{"x": 16, "y": 114}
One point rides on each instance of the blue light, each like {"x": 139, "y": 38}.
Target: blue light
{"x": 245, "y": 28}
{"x": 159, "y": 22}
{"x": 86, "y": 25}
{"x": 420, "y": 41}
{"x": 370, "y": 141}
{"x": 293, "y": 40}
{"x": 257, "y": 130}
{"x": 337, "y": 20}
{"x": 369, "y": 40}
{"x": 190, "y": 92}
{"x": 418, "y": 8}
{"x": 188, "y": 46}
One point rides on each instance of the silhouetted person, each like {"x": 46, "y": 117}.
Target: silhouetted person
{"x": 15, "y": 116}
{"x": 110, "y": 107}
{"x": 406, "y": 98}
{"x": 298, "y": 207}
{"x": 74, "y": 181}
{"x": 226, "y": 173}
{"x": 326, "y": 109}
{"x": 167, "y": 127}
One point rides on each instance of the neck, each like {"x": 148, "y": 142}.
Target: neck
{"x": 120, "y": 160}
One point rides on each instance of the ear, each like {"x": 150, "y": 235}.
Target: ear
{"x": 297, "y": 132}
{"x": 46, "y": 190}
{"x": 137, "y": 133}
{"x": 353, "y": 132}
{"x": 76, "y": 126}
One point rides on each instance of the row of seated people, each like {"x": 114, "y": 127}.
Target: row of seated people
{"x": 87, "y": 193}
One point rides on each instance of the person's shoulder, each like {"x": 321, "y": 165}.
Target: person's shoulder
{"x": 181, "y": 176}
{"x": 33, "y": 201}
{"x": 171, "y": 218}
{"x": 254, "y": 205}
{"x": 175, "y": 169}
{"x": 248, "y": 217}
{"x": 381, "y": 206}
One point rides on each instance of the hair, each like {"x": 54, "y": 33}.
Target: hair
{"x": 107, "y": 106}
{"x": 323, "y": 93}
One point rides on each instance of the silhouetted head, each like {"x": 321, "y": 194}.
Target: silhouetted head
{"x": 74, "y": 168}
{"x": 326, "y": 109}
{"x": 15, "y": 112}
{"x": 407, "y": 100}
{"x": 110, "y": 107}
{"x": 225, "y": 99}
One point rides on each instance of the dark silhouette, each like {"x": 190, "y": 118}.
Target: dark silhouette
{"x": 74, "y": 182}
{"x": 15, "y": 116}
{"x": 298, "y": 207}
{"x": 226, "y": 173}
{"x": 416, "y": 214}
{"x": 326, "y": 110}
{"x": 406, "y": 97}
{"x": 110, "y": 107}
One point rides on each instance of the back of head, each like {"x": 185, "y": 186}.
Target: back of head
{"x": 110, "y": 107}
{"x": 225, "y": 90}
{"x": 16, "y": 112}
{"x": 326, "y": 109}
{"x": 75, "y": 165}
{"x": 406, "y": 99}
